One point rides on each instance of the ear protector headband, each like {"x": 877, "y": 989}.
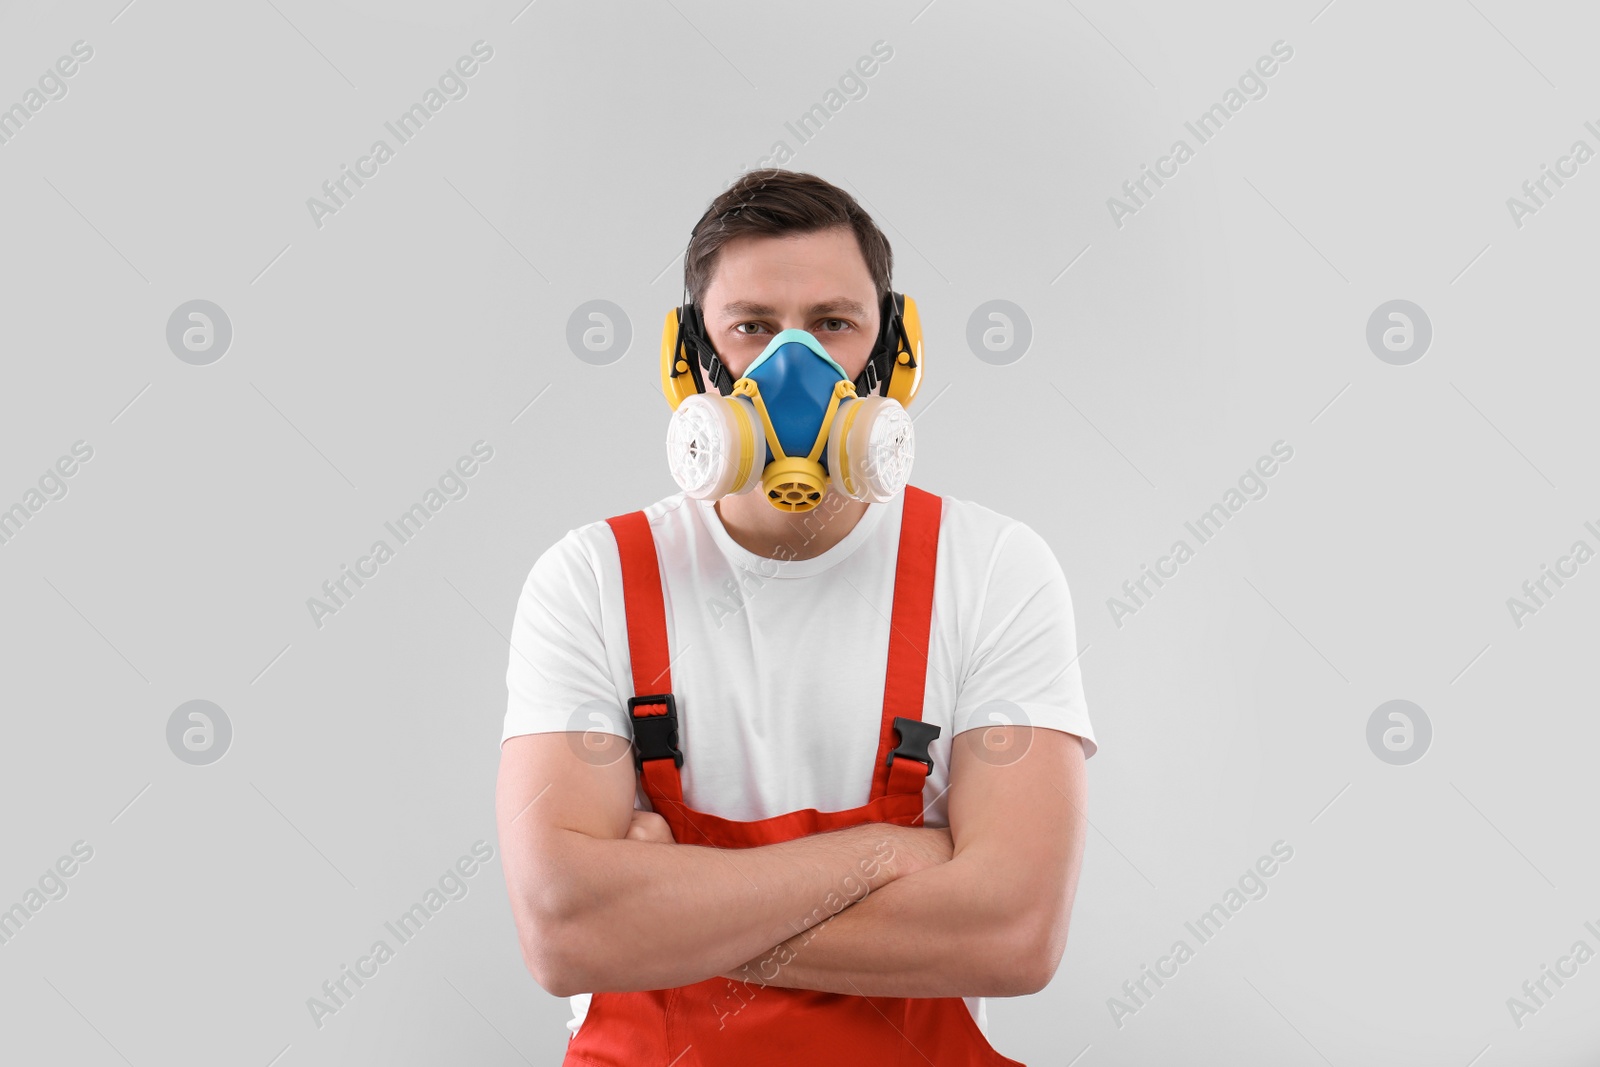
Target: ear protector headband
{"x": 894, "y": 369}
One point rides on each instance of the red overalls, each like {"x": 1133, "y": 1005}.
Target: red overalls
{"x": 717, "y": 1022}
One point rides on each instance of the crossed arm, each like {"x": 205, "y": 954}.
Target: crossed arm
{"x": 990, "y": 922}
{"x": 979, "y": 910}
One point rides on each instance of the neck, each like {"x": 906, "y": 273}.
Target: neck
{"x": 758, "y": 527}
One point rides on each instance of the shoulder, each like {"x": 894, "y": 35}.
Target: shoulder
{"x": 591, "y": 548}
{"x": 974, "y": 531}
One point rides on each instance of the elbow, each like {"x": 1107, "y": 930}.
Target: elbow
{"x": 1021, "y": 976}
{"x": 1024, "y": 975}
{"x": 1032, "y": 955}
{"x": 550, "y": 955}
{"x": 1033, "y": 974}
{"x": 547, "y": 964}
{"x": 554, "y": 980}
{"x": 548, "y": 929}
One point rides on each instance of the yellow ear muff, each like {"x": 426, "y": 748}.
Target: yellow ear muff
{"x": 677, "y": 378}
{"x": 905, "y": 374}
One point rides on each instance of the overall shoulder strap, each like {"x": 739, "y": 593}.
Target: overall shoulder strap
{"x": 902, "y": 746}
{"x": 652, "y": 711}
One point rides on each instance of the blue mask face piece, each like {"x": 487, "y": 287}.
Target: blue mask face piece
{"x": 796, "y": 377}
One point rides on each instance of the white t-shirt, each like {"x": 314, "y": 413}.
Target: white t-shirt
{"x": 778, "y": 665}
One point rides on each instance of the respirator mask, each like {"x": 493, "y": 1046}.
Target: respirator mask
{"x": 794, "y": 423}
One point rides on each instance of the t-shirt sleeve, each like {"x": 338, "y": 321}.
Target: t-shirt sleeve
{"x": 1024, "y": 668}
{"x": 558, "y": 677}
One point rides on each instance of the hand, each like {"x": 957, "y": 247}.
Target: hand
{"x": 648, "y": 826}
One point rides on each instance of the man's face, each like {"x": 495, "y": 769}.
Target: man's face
{"x": 816, "y": 282}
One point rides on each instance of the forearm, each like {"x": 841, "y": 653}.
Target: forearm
{"x": 949, "y": 930}
{"x": 620, "y": 915}
{"x": 993, "y": 920}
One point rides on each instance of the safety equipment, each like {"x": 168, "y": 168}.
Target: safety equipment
{"x": 894, "y": 369}
{"x": 794, "y": 424}
{"x": 724, "y": 1022}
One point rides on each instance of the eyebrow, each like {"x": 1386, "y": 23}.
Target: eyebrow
{"x": 826, "y": 307}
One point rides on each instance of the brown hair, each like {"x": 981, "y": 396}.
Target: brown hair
{"x": 774, "y": 202}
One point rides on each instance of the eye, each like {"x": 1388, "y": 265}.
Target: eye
{"x": 843, "y": 324}
{"x": 742, "y": 333}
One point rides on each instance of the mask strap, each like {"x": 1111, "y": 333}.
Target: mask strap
{"x": 841, "y": 390}
{"x": 692, "y": 337}
{"x": 891, "y": 339}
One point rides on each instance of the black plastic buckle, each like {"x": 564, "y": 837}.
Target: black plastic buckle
{"x": 915, "y": 736}
{"x": 655, "y": 733}
{"x": 866, "y": 382}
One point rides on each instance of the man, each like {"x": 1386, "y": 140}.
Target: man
{"x": 754, "y": 881}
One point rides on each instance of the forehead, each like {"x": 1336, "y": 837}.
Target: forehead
{"x": 757, "y": 269}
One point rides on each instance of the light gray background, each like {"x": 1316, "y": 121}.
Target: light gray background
{"x": 368, "y": 355}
